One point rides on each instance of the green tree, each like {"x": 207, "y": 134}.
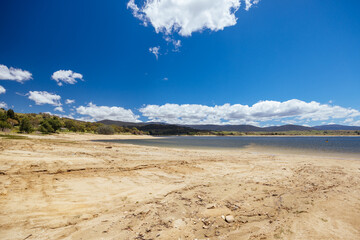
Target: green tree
{"x": 10, "y": 114}
{"x": 45, "y": 127}
{"x": 3, "y": 116}
{"x": 55, "y": 123}
{"x": 50, "y": 125}
{"x": 25, "y": 125}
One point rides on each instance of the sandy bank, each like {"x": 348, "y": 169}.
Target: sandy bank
{"x": 66, "y": 187}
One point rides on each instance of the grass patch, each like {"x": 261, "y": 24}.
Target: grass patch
{"x": 8, "y": 136}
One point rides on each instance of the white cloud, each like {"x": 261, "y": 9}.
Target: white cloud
{"x": 243, "y": 114}
{"x": 69, "y": 101}
{"x": 14, "y": 74}
{"x": 3, "y": 105}
{"x": 352, "y": 122}
{"x": 43, "y": 97}
{"x": 250, "y": 3}
{"x": 97, "y": 113}
{"x": 59, "y": 108}
{"x": 175, "y": 43}
{"x": 66, "y": 76}
{"x": 165, "y": 79}
{"x": 186, "y": 17}
{"x": 155, "y": 51}
{"x": 2, "y": 90}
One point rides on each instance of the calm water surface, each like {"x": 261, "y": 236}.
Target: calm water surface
{"x": 301, "y": 144}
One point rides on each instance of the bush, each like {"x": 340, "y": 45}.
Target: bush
{"x": 55, "y": 123}
{"x": 74, "y": 126}
{"x": 4, "y": 125}
{"x": 25, "y": 125}
{"x": 106, "y": 130}
{"x": 3, "y": 116}
{"x": 45, "y": 127}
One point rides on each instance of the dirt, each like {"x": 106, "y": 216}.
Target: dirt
{"x": 66, "y": 187}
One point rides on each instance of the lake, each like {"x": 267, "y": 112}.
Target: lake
{"x": 306, "y": 144}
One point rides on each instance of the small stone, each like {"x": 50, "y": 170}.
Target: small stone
{"x": 178, "y": 223}
{"x": 210, "y": 206}
{"x": 86, "y": 216}
{"x": 229, "y": 219}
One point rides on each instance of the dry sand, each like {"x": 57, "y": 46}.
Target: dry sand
{"x": 67, "y": 187}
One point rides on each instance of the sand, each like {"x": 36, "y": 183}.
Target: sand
{"x": 66, "y": 187}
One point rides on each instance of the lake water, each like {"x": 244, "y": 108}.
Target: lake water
{"x": 328, "y": 145}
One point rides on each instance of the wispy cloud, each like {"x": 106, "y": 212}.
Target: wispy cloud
{"x": 3, "y": 105}
{"x": 2, "y": 90}
{"x": 66, "y": 76}
{"x": 155, "y": 51}
{"x": 43, "y": 97}
{"x": 69, "y": 101}
{"x": 14, "y": 74}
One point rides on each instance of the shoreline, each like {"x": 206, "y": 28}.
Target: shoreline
{"x": 65, "y": 186}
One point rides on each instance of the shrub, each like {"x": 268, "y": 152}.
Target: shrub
{"x": 3, "y": 116}
{"x": 45, "y": 127}
{"x": 13, "y": 122}
{"x": 25, "y": 125}
{"x": 55, "y": 123}
{"x": 4, "y": 125}
{"x": 106, "y": 130}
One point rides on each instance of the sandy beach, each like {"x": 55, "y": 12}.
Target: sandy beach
{"x": 65, "y": 186}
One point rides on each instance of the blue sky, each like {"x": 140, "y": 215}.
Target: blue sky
{"x": 275, "y": 62}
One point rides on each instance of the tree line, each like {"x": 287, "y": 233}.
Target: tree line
{"x": 46, "y": 123}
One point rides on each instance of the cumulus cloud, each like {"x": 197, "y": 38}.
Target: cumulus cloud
{"x": 14, "y": 74}
{"x": 155, "y": 51}
{"x": 59, "y": 108}
{"x": 69, "y": 101}
{"x": 243, "y": 114}
{"x": 2, "y": 90}
{"x": 186, "y": 17}
{"x": 352, "y": 122}
{"x": 97, "y": 113}
{"x": 43, "y": 97}
{"x": 3, "y": 105}
{"x": 66, "y": 76}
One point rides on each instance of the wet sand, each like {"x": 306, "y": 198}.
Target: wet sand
{"x": 67, "y": 187}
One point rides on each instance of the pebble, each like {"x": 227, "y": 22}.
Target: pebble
{"x": 229, "y": 219}
{"x": 86, "y": 216}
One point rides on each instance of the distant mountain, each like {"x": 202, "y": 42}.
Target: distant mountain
{"x": 122, "y": 124}
{"x": 166, "y": 129}
{"x": 154, "y": 128}
{"x": 178, "y": 129}
{"x": 287, "y": 128}
{"x": 336, "y": 127}
{"x": 250, "y": 128}
{"x": 235, "y": 128}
